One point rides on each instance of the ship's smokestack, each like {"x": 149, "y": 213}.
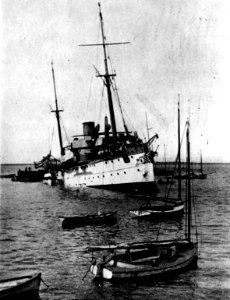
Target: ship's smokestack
{"x": 88, "y": 130}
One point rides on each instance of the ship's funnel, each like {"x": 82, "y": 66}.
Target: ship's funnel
{"x": 107, "y": 126}
{"x": 88, "y": 130}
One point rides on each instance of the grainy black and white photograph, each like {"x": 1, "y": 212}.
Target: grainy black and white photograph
{"x": 115, "y": 165}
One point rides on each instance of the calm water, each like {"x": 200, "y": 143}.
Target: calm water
{"x": 31, "y": 239}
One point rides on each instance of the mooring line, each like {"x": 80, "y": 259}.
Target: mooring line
{"x": 45, "y": 283}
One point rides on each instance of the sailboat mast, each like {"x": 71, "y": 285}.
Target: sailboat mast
{"x": 201, "y": 164}
{"x": 107, "y": 77}
{"x": 57, "y": 111}
{"x": 189, "y": 186}
{"x": 179, "y": 152}
{"x": 147, "y": 126}
{"x": 165, "y": 159}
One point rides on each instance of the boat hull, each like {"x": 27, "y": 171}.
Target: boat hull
{"x": 187, "y": 259}
{"x": 28, "y": 176}
{"x": 158, "y": 212}
{"x": 26, "y": 287}
{"x": 79, "y": 221}
{"x": 132, "y": 175}
{"x": 193, "y": 176}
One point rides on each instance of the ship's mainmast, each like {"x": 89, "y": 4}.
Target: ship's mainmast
{"x": 57, "y": 111}
{"x": 107, "y": 75}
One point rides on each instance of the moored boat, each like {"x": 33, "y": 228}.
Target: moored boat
{"x": 158, "y": 263}
{"x": 28, "y": 175}
{"x": 194, "y": 174}
{"x": 165, "y": 180}
{"x": 7, "y": 175}
{"x": 95, "y": 219}
{"x": 23, "y": 287}
{"x": 200, "y": 174}
{"x": 169, "y": 208}
{"x": 163, "y": 211}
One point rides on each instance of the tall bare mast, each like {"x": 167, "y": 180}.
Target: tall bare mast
{"x": 179, "y": 151}
{"x": 107, "y": 75}
{"x": 189, "y": 185}
{"x": 57, "y": 111}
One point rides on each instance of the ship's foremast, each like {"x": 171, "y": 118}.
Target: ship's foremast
{"x": 57, "y": 111}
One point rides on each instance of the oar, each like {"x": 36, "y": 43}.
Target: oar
{"x": 93, "y": 262}
{"x": 86, "y": 273}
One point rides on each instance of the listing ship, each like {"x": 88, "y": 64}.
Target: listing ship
{"x": 109, "y": 159}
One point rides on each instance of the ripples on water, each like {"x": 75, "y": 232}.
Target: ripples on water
{"x": 32, "y": 239}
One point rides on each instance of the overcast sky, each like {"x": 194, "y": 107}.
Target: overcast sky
{"x": 176, "y": 47}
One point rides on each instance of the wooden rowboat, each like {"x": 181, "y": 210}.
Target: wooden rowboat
{"x": 158, "y": 211}
{"x": 96, "y": 219}
{"x": 24, "y": 287}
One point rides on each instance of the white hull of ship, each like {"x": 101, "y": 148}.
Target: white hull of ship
{"x": 136, "y": 173}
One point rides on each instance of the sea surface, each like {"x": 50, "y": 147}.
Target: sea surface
{"x": 32, "y": 239}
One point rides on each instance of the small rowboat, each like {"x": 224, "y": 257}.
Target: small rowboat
{"x": 158, "y": 211}
{"x": 24, "y": 287}
{"x": 96, "y": 219}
